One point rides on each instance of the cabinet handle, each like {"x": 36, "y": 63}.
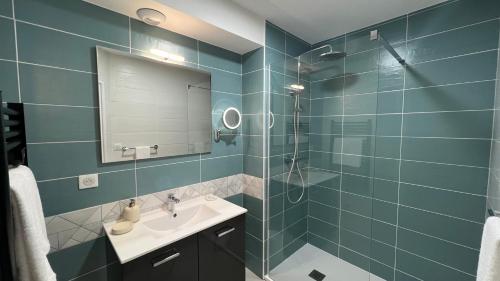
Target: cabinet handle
{"x": 167, "y": 259}
{"x": 222, "y": 233}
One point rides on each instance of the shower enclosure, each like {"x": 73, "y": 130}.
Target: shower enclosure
{"x": 332, "y": 172}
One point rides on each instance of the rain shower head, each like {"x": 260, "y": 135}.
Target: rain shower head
{"x": 332, "y": 55}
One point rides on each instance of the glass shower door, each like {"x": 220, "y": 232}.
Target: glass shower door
{"x": 320, "y": 192}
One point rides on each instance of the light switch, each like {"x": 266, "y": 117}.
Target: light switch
{"x": 88, "y": 181}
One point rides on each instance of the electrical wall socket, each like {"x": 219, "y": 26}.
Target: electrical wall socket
{"x": 88, "y": 181}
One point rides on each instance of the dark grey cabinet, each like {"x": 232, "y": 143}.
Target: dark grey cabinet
{"x": 222, "y": 251}
{"x": 175, "y": 262}
{"x": 215, "y": 254}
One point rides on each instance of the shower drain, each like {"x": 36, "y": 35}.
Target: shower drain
{"x": 316, "y": 275}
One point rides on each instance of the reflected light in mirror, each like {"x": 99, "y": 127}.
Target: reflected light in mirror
{"x": 166, "y": 55}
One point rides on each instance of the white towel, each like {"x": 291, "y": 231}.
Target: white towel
{"x": 31, "y": 244}
{"x": 489, "y": 257}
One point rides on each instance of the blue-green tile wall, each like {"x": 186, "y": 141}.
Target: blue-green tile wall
{"x": 51, "y": 68}
{"x": 410, "y": 201}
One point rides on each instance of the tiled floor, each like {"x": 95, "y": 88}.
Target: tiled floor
{"x": 251, "y": 277}
{"x": 298, "y": 266}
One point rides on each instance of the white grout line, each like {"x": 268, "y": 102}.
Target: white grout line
{"x": 455, "y": 57}
{"x": 57, "y": 67}
{"x": 14, "y": 23}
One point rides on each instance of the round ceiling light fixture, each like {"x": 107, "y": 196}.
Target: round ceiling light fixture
{"x": 151, "y": 16}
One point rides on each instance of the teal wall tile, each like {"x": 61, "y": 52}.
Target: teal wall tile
{"x": 474, "y": 96}
{"x": 76, "y": 17}
{"x": 6, "y": 8}
{"x": 324, "y": 195}
{"x": 449, "y": 254}
{"x": 465, "y": 124}
{"x": 295, "y": 231}
{"x": 383, "y": 232}
{"x": 253, "y": 263}
{"x": 253, "y": 205}
{"x": 144, "y": 163}
{"x": 393, "y": 31}
{"x": 470, "y": 152}
{"x": 295, "y": 46}
{"x": 450, "y": 203}
{"x": 253, "y": 226}
{"x": 458, "y": 178}
{"x": 386, "y": 190}
{"x": 146, "y": 37}
{"x": 253, "y": 60}
{"x": 324, "y": 213}
{"x": 221, "y": 167}
{"x": 390, "y": 102}
{"x": 323, "y": 229}
{"x": 471, "y": 68}
{"x": 75, "y": 261}
{"x": 223, "y": 81}
{"x": 8, "y": 46}
{"x": 252, "y": 165}
{"x": 384, "y": 211}
{"x": 387, "y": 147}
{"x": 357, "y": 184}
{"x": 253, "y": 245}
{"x": 8, "y": 81}
{"x": 356, "y": 259}
{"x": 381, "y": 270}
{"x": 327, "y": 106}
{"x": 72, "y": 88}
{"x": 220, "y": 58}
{"x": 62, "y": 195}
{"x": 323, "y": 244}
{"x": 425, "y": 269}
{"x": 275, "y": 37}
{"x": 159, "y": 178}
{"x": 58, "y": 123}
{"x": 357, "y": 204}
{"x": 451, "y": 15}
{"x": 236, "y": 199}
{"x": 62, "y": 50}
{"x": 382, "y": 253}
{"x": 85, "y": 159}
{"x": 327, "y": 88}
{"x": 360, "y": 104}
{"x": 481, "y": 37}
{"x": 253, "y": 103}
{"x": 355, "y": 223}
{"x": 362, "y": 62}
{"x": 448, "y": 228}
{"x": 253, "y": 82}
{"x": 361, "y": 83}
{"x": 275, "y": 60}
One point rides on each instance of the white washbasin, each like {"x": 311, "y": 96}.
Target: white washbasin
{"x": 185, "y": 218}
{"x": 158, "y": 228}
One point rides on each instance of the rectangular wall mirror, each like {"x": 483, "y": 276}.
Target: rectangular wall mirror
{"x": 150, "y": 108}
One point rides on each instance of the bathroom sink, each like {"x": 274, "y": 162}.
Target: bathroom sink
{"x": 159, "y": 228}
{"x": 183, "y": 218}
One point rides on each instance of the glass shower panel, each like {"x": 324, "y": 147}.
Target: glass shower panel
{"x": 322, "y": 165}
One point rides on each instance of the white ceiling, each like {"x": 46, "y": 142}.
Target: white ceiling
{"x": 319, "y": 20}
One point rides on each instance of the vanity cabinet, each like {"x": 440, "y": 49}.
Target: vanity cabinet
{"x": 222, "y": 251}
{"x": 175, "y": 262}
{"x": 214, "y": 254}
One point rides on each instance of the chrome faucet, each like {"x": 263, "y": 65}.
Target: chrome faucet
{"x": 171, "y": 201}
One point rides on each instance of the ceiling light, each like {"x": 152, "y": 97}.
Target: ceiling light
{"x": 166, "y": 55}
{"x": 151, "y": 16}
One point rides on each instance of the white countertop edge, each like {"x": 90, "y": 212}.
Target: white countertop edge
{"x": 125, "y": 256}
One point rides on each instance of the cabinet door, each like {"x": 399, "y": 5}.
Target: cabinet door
{"x": 222, "y": 251}
{"x": 175, "y": 262}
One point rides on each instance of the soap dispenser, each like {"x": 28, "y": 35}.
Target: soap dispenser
{"x": 132, "y": 212}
